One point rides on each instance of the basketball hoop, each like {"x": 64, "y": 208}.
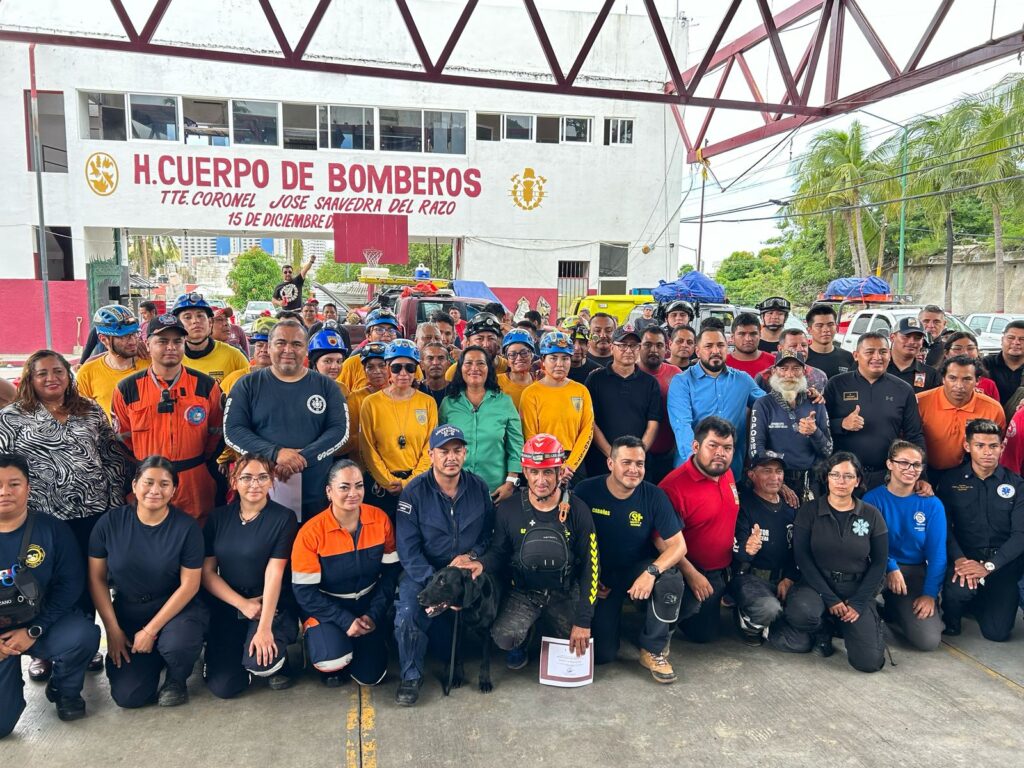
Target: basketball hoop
{"x": 373, "y": 256}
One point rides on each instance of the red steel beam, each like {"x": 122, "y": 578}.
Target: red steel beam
{"x": 545, "y": 43}
{"x": 453, "y": 39}
{"x": 311, "y": 27}
{"x": 666, "y": 47}
{"x": 819, "y": 42}
{"x": 126, "y": 20}
{"x": 752, "y": 83}
{"x": 835, "y": 52}
{"x": 928, "y": 36}
{"x": 275, "y": 26}
{"x": 718, "y": 92}
{"x": 709, "y": 54}
{"x": 414, "y": 33}
{"x": 780, "y": 54}
{"x": 872, "y": 37}
{"x": 581, "y": 57}
{"x": 154, "y": 21}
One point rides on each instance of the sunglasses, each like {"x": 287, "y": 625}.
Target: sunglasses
{"x": 407, "y": 367}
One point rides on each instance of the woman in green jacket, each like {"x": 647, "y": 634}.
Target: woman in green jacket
{"x": 486, "y": 415}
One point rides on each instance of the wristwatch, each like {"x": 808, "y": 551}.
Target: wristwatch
{"x": 35, "y": 631}
{"x": 989, "y": 566}
{"x": 654, "y": 570}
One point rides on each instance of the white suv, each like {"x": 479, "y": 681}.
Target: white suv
{"x": 989, "y": 327}
{"x": 883, "y": 319}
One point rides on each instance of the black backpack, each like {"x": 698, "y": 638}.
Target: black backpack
{"x": 544, "y": 550}
{"x": 21, "y": 598}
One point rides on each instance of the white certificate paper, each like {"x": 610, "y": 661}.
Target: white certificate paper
{"x": 560, "y": 667}
{"x": 289, "y": 494}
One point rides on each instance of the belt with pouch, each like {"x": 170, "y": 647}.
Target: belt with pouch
{"x": 844, "y": 578}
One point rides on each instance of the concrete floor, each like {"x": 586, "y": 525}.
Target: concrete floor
{"x": 733, "y": 705}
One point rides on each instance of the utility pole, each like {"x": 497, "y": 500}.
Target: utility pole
{"x": 703, "y": 184}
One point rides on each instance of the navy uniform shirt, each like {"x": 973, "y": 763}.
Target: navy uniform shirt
{"x": 1007, "y": 380}
{"x": 919, "y": 376}
{"x": 437, "y": 394}
{"x": 144, "y": 562}
{"x": 53, "y": 558}
{"x": 243, "y": 551}
{"x": 776, "y": 523}
{"x": 626, "y": 527}
{"x": 888, "y": 407}
{"x": 983, "y": 515}
{"x": 832, "y": 363}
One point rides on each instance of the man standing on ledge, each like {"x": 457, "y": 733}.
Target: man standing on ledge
{"x": 288, "y": 293}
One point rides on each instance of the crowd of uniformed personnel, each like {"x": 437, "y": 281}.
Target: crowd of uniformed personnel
{"x": 234, "y": 498}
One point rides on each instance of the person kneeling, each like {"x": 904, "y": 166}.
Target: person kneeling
{"x": 41, "y": 563}
{"x": 344, "y": 572}
{"x": 548, "y": 540}
{"x": 640, "y": 542}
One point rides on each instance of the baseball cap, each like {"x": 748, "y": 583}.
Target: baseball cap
{"x": 790, "y": 354}
{"x": 163, "y": 323}
{"x": 624, "y": 331}
{"x": 909, "y": 325}
{"x": 766, "y": 458}
{"x": 445, "y": 434}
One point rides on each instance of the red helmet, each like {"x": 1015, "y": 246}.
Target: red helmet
{"x": 543, "y": 452}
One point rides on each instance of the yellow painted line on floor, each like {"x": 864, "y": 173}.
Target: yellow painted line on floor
{"x": 367, "y": 723}
{"x": 353, "y": 746}
{"x": 964, "y": 656}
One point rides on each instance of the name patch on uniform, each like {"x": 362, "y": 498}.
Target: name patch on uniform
{"x": 919, "y": 379}
{"x": 1006, "y": 491}
{"x": 405, "y": 507}
{"x": 316, "y": 404}
{"x": 195, "y": 415}
{"x": 421, "y": 416}
{"x": 851, "y": 396}
{"x": 577, "y": 403}
{"x": 599, "y": 511}
{"x": 861, "y": 526}
{"x": 635, "y": 519}
{"x": 735, "y": 493}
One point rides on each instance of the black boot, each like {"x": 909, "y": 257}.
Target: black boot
{"x": 952, "y": 623}
{"x": 408, "y": 692}
{"x": 68, "y": 707}
{"x": 823, "y": 644}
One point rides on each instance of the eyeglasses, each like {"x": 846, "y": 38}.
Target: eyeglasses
{"x": 524, "y": 353}
{"x": 407, "y": 367}
{"x": 627, "y": 347}
{"x": 841, "y": 478}
{"x": 253, "y": 479}
{"x": 915, "y": 466}
{"x": 958, "y": 350}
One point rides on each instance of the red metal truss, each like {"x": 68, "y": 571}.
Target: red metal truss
{"x": 791, "y": 110}
{"x": 832, "y": 16}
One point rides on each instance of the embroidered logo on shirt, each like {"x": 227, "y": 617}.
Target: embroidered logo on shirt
{"x": 1006, "y": 491}
{"x": 919, "y": 518}
{"x": 316, "y": 404}
{"x": 405, "y": 507}
{"x": 635, "y": 519}
{"x": 34, "y": 556}
{"x": 577, "y": 403}
{"x": 421, "y": 416}
{"x": 861, "y": 527}
{"x": 195, "y": 415}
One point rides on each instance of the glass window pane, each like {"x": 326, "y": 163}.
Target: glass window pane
{"x": 205, "y": 121}
{"x": 999, "y": 324}
{"x": 446, "y": 132}
{"x": 299, "y": 122}
{"x": 577, "y": 129}
{"x": 324, "y": 133}
{"x": 547, "y": 130}
{"x": 351, "y": 128}
{"x": 401, "y": 130}
{"x": 611, "y": 131}
{"x": 154, "y": 117}
{"x": 488, "y": 127}
{"x": 625, "y": 132}
{"x": 519, "y": 127}
{"x": 255, "y": 122}
{"x": 106, "y": 116}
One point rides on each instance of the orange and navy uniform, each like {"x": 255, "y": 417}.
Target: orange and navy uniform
{"x": 336, "y": 577}
{"x": 189, "y": 434}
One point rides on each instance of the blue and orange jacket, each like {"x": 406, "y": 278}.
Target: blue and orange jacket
{"x": 337, "y": 577}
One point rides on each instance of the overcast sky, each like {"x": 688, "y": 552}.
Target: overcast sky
{"x": 899, "y": 24}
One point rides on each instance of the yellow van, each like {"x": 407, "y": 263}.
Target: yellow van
{"x": 617, "y": 305}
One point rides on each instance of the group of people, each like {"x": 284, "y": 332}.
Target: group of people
{"x": 202, "y": 502}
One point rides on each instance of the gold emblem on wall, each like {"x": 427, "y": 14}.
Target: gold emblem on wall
{"x": 527, "y": 189}
{"x": 101, "y": 173}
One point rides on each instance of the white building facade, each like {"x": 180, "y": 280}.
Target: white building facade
{"x": 540, "y": 195}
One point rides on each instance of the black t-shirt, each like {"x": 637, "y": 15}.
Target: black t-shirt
{"x": 144, "y": 561}
{"x": 768, "y": 346}
{"x": 437, "y": 394}
{"x": 289, "y": 293}
{"x": 776, "y": 524}
{"x": 579, "y": 373}
{"x": 832, "y": 363}
{"x": 623, "y": 405}
{"x": 242, "y": 551}
{"x": 919, "y": 376}
{"x": 625, "y": 527}
{"x": 1007, "y": 380}
{"x": 603, "y": 362}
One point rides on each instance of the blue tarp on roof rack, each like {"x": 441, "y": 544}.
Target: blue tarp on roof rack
{"x": 857, "y": 287}
{"x": 474, "y": 289}
{"x": 693, "y": 286}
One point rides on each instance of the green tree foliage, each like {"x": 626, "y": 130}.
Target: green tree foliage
{"x": 748, "y": 278}
{"x": 686, "y": 269}
{"x": 252, "y": 277}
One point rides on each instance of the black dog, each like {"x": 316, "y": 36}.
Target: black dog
{"x": 477, "y": 601}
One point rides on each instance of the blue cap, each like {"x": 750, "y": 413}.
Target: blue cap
{"x": 445, "y": 434}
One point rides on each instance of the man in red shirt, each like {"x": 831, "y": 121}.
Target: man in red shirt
{"x": 661, "y": 454}
{"x": 745, "y": 356}
{"x": 703, "y": 492}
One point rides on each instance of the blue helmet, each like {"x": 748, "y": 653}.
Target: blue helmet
{"x": 374, "y": 350}
{"x": 518, "y": 336}
{"x": 556, "y": 343}
{"x": 402, "y": 348}
{"x": 381, "y": 317}
{"x": 191, "y": 300}
{"x": 115, "y": 320}
{"x": 327, "y": 340}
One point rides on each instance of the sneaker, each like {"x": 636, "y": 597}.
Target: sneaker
{"x": 952, "y": 628}
{"x": 408, "y": 692}
{"x": 752, "y": 634}
{"x": 96, "y": 662}
{"x": 659, "y": 666}
{"x": 68, "y": 707}
{"x": 516, "y": 658}
{"x": 40, "y": 670}
{"x": 281, "y": 682}
{"x": 172, "y": 694}
{"x": 823, "y": 644}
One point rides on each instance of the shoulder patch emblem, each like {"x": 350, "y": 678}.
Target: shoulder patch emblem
{"x": 316, "y": 404}
{"x": 1006, "y": 491}
{"x": 34, "y": 556}
{"x": 195, "y": 415}
{"x": 405, "y": 507}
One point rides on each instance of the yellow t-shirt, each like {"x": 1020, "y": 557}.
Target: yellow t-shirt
{"x": 500, "y": 366}
{"x": 566, "y": 412}
{"x": 230, "y": 380}
{"x": 221, "y": 360}
{"x": 512, "y": 389}
{"x": 354, "y": 443}
{"x": 96, "y": 379}
{"x": 352, "y": 374}
{"x": 382, "y": 421}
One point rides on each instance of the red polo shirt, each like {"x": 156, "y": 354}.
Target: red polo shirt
{"x": 707, "y": 509}
{"x": 664, "y": 441}
{"x": 762, "y": 363}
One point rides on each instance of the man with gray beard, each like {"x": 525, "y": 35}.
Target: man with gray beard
{"x": 787, "y": 425}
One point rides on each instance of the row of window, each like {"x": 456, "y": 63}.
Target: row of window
{"x": 222, "y": 122}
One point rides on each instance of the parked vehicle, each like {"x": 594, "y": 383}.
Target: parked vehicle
{"x": 884, "y": 317}
{"x": 619, "y": 306}
{"x": 989, "y": 327}
{"x": 254, "y": 309}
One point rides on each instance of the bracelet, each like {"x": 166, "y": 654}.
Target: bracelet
{"x": 514, "y": 479}
{"x": 151, "y": 634}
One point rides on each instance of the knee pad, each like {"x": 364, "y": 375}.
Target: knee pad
{"x": 271, "y": 670}
{"x": 333, "y": 665}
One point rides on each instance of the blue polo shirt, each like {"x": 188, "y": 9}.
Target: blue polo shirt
{"x": 917, "y": 533}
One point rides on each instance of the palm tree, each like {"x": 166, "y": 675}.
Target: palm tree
{"x": 834, "y": 173}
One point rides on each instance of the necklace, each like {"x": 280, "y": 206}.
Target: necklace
{"x": 402, "y": 422}
{"x": 246, "y": 520}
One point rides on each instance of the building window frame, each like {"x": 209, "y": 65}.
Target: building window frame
{"x": 130, "y": 131}
{"x": 613, "y": 138}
